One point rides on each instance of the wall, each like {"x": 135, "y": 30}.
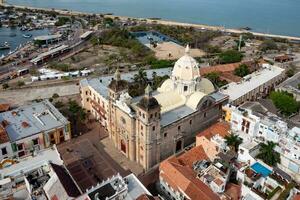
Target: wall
{"x": 9, "y": 150}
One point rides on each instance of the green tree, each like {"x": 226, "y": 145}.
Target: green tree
{"x": 268, "y": 154}
{"x": 5, "y": 86}
{"x": 76, "y": 114}
{"x": 55, "y": 96}
{"x": 242, "y": 70}
{"x": 141, "y": 77}
{"x": 214, "y": 77}
{"x": 233, "y": 141}
{"x": 285, "y": 102}
{"x": 62, "y": 21}
{"x": 21, "y": 83}
{"x": 290, "y": 72}
{"x": 268, "y": 45}
{"x": 230, "y": 56}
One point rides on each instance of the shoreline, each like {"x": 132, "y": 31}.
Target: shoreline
{"x": 162, "y": 22}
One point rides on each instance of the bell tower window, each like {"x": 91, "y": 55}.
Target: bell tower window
{"x": 185, "y": 88}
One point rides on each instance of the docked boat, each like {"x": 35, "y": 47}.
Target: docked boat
{"x": 27, "y": 35}
{"x": 4, "y": 46}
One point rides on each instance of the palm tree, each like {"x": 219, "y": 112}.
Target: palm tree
{"x": 76, "y": 114}
{"x": 233, "y": 141}
{"x": 268, "y": 154}
{"x": 141, "y": 77}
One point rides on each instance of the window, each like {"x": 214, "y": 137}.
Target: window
{"x": 20, "y": 147}
{"x": 143, "y": 115}
{"x": 151, "y": 116}
{"x": 142, "y": 127}
{"x": 165, "y": 134}
{"x": 4, "y": 151}
{"x": 86, "y": 92}
{"x": 123, "y": 120}
{"x": 155, "y": 114}
{"x": 191, "y": 121}
{"x": 87, "y": 99}
{"x": 204, "y": 115}
{"x": 179, "y": 127}
{"x": 35, "y": 141}
{"x": 140, "y": 113}
{"x": 153, "y": 128}
{"x": 142, "y": 148}
{"x": 185, "y": 88}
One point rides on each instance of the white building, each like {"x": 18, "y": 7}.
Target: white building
{"x": 254, "y": 86}
{"x": 252, "y": 120}
{"x": 115, "y": 188}
{"x": 30, "y": 128}
{"x": 42, "y": 176}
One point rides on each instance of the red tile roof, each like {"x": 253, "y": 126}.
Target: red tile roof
{"x": 296, "y": 197}
{"x": 221, "y": 128}
{"x": 4, "y": 107}
{"x": 233, "y": 191}
{"x": 3, "y": 135}
{"x": 178, "y": 173}
{"x": 219, "y": 68}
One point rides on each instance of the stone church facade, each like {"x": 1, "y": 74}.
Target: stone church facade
{"x": 161, "y": 123}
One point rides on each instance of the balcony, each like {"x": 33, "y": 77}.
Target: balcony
{"x": 99, "y": 109}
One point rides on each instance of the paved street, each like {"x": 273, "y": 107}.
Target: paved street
{"x": 18, "y": 97}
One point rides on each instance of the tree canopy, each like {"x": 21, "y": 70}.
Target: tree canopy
{"x": 233, "y": 141}
{"x": 214, "y": 77}
{"x": 268, "y": 154}
{"x": 285, "y": 102}
{"x": 268, "y": 45}
{"x": 230, "y": 56}
{"x": 242, "y": 70}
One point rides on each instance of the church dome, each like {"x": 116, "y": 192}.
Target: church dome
{"x": 186, "y": 68}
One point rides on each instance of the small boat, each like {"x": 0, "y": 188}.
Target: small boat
{"x": 4, "y": 46}
{"x": 27, "y": 35}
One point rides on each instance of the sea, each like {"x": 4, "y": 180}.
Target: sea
{"x": 266, "y": 16}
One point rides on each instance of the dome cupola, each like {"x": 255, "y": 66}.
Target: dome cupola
{"x": 186, "y": 68}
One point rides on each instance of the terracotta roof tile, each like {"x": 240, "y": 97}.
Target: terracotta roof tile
{"x": 296, "y": 197}
{"x": 233, "y": 191}
{"x": 3, "y": 135}
{"x": 4, "y": 107}
{"x": 221, "y": 128}
{"x": 178, "y": 173}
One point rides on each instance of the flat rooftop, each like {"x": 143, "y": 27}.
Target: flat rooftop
{"x": 291, "y": 83}
{"x": 100, "y": 84}
{"x": 251, "y": 82}
{"x": 28, "y": 120}
{"x": 133, "y": 187}
{"x": 32, "y": 162}
{"x": 48, "y": 37}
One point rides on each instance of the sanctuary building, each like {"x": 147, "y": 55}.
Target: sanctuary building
{"x": 150, "y": 128}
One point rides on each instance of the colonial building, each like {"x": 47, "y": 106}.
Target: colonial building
{"x": 254, "y": 86}
{"x": 151, "y": 128}
{"x": 30, "y": 128}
